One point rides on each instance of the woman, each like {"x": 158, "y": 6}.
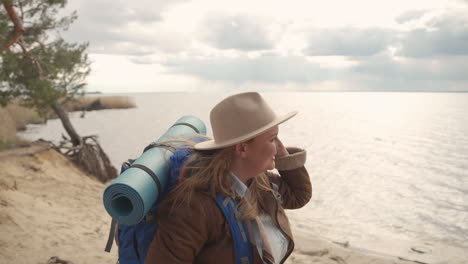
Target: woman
{"x": 236, "y": 163}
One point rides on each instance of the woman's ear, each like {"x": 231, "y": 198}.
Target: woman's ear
{"x": 241, "y": 149}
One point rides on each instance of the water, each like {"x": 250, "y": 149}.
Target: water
{"x": 386, "y": 168}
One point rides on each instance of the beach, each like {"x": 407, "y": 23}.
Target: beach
{"x": 50, "y": 208}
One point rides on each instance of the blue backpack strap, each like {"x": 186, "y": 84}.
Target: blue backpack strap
{"x": 239, "y": 233}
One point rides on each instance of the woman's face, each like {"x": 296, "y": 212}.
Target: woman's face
{"x": 262, "y": 149}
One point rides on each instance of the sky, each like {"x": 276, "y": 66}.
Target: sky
{"x": 270, "y": 45}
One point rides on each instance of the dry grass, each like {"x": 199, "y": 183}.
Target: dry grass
{"x": 15, "y": 117}
{"x": 115, "y": 102}
{"x": 8, "y": 128}
{"x": 23, "y": 116}
{"x": 101, "y": 102}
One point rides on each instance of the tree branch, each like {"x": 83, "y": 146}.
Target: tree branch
{"x": 21, "y": 10}
{"x": 21, "y": 44}
{"x": 18, "y": 26}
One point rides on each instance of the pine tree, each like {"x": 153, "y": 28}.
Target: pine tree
{"x": 39, "y": 67}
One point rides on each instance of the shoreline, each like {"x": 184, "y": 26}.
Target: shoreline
{"x": 51, "y": 208}
{"x": 15, "y": 117}
{"x": 393, "y": 251}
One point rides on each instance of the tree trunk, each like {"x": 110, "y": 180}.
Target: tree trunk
{"x": 75, "y": 138}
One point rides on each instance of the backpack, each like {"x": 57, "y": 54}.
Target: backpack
{"x": 134, "y": 240}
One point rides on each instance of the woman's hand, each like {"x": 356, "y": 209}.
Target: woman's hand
{"x": 281, "y": 150}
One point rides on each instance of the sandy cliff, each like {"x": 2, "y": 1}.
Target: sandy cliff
{"x": 48, "y": 208}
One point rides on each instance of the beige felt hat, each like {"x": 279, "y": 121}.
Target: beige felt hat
{"x": 239, "y": 118}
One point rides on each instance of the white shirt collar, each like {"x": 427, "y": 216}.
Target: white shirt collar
{"x": 237, "y": 185}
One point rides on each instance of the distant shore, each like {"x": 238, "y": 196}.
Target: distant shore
{"x": 15, "y": 117}
{"x": 51, "y": 208}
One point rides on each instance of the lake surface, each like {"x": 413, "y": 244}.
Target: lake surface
{"x": 389, "y": 170}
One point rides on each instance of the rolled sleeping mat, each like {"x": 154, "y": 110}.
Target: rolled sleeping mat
{"x": 131, "y": 195}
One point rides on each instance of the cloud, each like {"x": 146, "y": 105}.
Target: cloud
{"x": 118, "y": 13}
{"x": 410, "y": 16}
{"x": 378, "y": 72}
{"x": 267, "y": 68}
{"x": 145, "y": 60}
{"x": 348, "y": 42}
{"x": 244, "y": 50}
{"x": 123, "y": 27}
{"x": 384, "y": 72}
{"x": 446, "y": 35}
{"x": 239, "y": 32}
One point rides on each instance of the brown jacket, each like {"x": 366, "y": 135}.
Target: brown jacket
{"x": 198, "y": 232}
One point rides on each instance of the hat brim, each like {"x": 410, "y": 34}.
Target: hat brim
{"x": 211, "y": 144}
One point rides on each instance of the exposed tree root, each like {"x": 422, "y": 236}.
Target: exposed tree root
{"x": 90, "y": 157}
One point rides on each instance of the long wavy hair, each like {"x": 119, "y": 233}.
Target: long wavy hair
{"x": 207, "y": 171}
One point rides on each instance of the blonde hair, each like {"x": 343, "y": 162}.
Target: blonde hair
{"x": 207, "y": 171}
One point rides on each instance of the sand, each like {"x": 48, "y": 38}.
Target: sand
{"x": 48, "y": 208}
